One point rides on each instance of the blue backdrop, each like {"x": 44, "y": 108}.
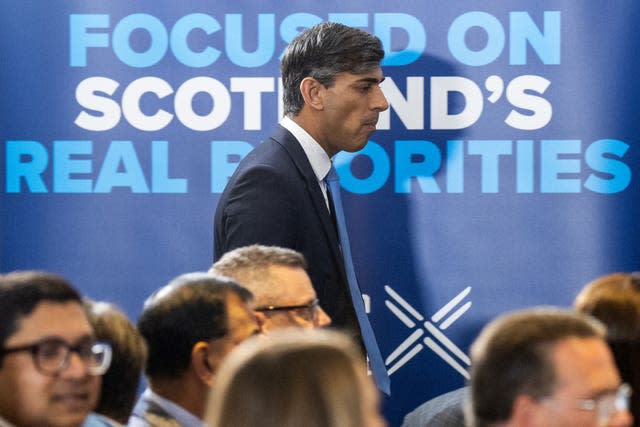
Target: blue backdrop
{"x": 502, "y": 176}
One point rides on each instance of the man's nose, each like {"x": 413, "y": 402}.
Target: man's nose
{"x": 77, "y": 367}
{"x": 621, "y": 419}
{"x": 380, "y": 101}
{"x": 323, "y": 318}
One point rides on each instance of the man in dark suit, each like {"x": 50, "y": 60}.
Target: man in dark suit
{"x": 331, "y": 75}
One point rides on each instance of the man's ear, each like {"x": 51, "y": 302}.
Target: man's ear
{"x": 528, "y": 412}
{"x": 312, "y": 91}
{"x": 200, "y": 363}
{"x": 262, "y": 320}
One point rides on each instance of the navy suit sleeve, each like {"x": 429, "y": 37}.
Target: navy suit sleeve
{"x": 261, "y": 208}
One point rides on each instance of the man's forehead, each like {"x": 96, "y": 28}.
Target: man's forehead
{"x": 291, "y": 281}
{"x": 239, "y": 315}
{"x": 373, "y": 75}
{"x": 585, "y": 362}
{"x": 578, "y": 347}
{"x": 66, "y": 319}
{"x": 236, "y": 306}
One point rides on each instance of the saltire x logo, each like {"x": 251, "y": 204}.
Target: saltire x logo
{"x": 434, "y": 339}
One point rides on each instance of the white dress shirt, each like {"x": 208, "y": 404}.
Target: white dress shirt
{"x": 320, "y": 161}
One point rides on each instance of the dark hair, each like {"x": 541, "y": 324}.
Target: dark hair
{"x": 190, "y": 308}
{"x": 22, "y": 291}
{"x": 511, "y": 357}
{"x": 322, "y": 52}
{"x": 614, "y": 299}
{"x": 120, "y": 383}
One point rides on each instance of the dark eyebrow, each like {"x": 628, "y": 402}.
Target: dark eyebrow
{"x": 82, "y": 340}
{"x": 370, "y": 80}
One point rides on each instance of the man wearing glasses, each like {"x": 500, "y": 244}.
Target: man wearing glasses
{"x": 282, "y": 290}
{"x": 545, "y": 367}
{"x": 50, "y": 362}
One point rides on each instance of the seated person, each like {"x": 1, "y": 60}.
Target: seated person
{"x": 614, "y": 299}
{"x": 120, "y": 383}
{"x": 51, "y": 363}
{"x": 282, "y": 290}
{"x": 189, "y": 326}
{"x": 545, "y": 367}
{"x": 294, "y": 378}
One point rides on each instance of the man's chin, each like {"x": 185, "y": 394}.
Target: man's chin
{"x": 71, "y": 413}
{"x": 356, "y": 146}
{"x": 58, "y": 419}
{"x": 69, "y": 419}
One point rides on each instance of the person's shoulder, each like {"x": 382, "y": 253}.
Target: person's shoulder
{"x": 94, "y": 420}
{"x": 445, "y": 410}
{"x": 267, "y": 154}
{"x": 152, "y": 418}
{"x": 271, "y": 163}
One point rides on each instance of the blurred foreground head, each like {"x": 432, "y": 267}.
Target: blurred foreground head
{"x": 292, "y": 378}
{"x": 545, "y": 367}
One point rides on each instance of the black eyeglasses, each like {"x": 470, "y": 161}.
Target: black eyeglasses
{"x": 51, "y": 355}
{"x": 308, "y": 312}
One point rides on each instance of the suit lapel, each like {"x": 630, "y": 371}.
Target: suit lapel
{"x": 297, "y": 154}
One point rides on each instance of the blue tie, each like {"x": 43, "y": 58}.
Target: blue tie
{"x": 376, "y": 363}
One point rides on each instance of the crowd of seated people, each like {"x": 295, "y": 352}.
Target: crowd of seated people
{"x": 614, "y": 301}
{"x": 216, "y": 347}
{"x": 67, "y": 360}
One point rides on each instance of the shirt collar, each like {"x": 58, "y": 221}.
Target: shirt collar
{"x": 181, "y": 415}
{"x": 320, "y": 161}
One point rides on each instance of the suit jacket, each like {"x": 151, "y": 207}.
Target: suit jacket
{"x": 446, "y": 410}
{"x": 273, "y": 198}
{"x": 96, "y": 420}
{"x": 148, "y": 413}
